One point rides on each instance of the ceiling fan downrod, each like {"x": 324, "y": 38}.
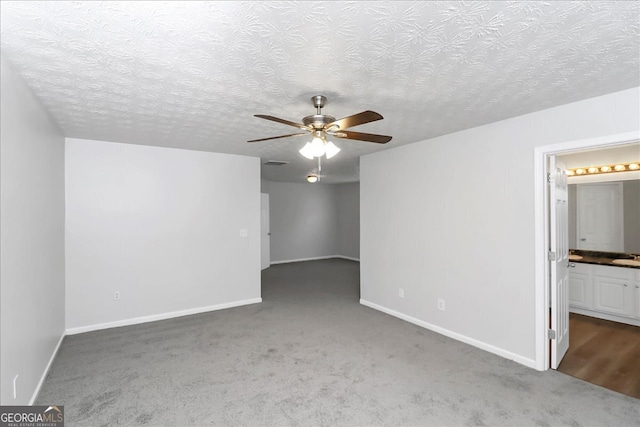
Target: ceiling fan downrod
{"x": 318, "y": 102}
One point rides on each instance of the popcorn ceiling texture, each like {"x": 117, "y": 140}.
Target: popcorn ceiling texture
{"x": 192, "y": 74}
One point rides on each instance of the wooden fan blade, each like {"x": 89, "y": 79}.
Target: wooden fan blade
{"x": 281, "y": 136}
{"x": 283, "y": 121}
{"x": 369, "y": 137}
{"x": 355, "y": 120}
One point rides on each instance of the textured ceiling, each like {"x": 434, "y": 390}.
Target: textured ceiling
{"x": 192, "y": 74}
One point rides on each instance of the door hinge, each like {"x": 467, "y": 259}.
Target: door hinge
{"x": 552, "y": 334}
{"x": 552, "y": 256}
{"x": 549, "y": 178}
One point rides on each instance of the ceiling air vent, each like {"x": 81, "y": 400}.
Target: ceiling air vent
{"x": 275, "y": 163}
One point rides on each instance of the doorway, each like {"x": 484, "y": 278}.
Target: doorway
{"x": 544, "y": 297}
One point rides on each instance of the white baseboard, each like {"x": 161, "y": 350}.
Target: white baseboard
{"x": 163, "y": 316}
{"x": 348, "y": 258}
{"x": 456, "y": 336}
{"x": 36, "y": 392}
{"x": 315, "y": 259}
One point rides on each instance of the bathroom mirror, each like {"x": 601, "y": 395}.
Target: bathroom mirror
{"x": 605, "y": 216}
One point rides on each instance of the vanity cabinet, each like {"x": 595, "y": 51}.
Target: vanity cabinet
{"x": 611, "y": 293}
{"x": 581, "y": 286}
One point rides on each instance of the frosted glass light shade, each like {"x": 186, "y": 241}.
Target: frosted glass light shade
{"x": 330, "y": 149}
{"x": 307, "y": 151}
{"x": 318, "y": 147}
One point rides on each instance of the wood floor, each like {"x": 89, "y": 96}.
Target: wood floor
{"x": 604, "y": 353}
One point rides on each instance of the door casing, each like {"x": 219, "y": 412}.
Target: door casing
{"x": 542, "y": 292}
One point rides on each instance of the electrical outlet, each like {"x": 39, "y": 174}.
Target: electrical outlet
{"x": 244, "y": 232}
{"x": 15, "y": 387}
{"x": 116, "y": 296}
{"x": 440, "y": 304}
{"x": 401, "y": 292}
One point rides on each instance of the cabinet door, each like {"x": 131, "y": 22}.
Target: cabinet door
{"x": 580, "y": 290}
{"x": 613, "y": 295}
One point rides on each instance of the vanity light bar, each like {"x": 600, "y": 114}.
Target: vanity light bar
{"x": 592, "y": 170}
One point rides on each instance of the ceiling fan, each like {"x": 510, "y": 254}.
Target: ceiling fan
{"x": 322, "y": 125}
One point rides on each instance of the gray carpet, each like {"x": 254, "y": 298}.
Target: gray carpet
{"x": 309, "y": 355}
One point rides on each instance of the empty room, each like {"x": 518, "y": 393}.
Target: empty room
{"x": 320, "y": 213}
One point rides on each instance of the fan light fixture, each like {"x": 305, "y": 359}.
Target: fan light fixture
{"x": 319, "y": 147}
{"x": 312, "y": 178}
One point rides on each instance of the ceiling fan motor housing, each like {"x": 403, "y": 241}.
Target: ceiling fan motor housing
{"x": 318, "y": 121}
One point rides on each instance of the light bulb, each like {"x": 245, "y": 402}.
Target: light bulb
{"x": 634, "y": 166}
{"x": 330, "y": 149}
{"x": 579, "y": 171}
{"x": 619, "y": 167}
{"x": 592, "y": 170}
{"x": 312, "y": 178}
{"x": 605, "y": 169}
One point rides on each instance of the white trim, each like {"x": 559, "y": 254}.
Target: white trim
{"x": 454, "y": 335}
{"x": 36, "y": 392}
{"x": 348, "y": 258}
{"x": 286, "y": 261}
{"x": 163, "y": 316}
{"x": 542, "y": 298}
{"x": 314, "y": 259}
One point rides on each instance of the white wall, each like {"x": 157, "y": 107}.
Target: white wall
{"x": 348, "y": 236}
{"x": 162, "y": 227}
{"x": 313, "y": 220}
{"x": 31, "y": 241}
{"x": 303, "y": 221}
{"x": 453, "y": 218}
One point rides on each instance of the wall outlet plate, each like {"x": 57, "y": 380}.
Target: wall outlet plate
{"x": 440, "y": 304}
{"x": 401, "y": 292}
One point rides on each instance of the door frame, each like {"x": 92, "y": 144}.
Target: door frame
{"x": 541, "y": 229}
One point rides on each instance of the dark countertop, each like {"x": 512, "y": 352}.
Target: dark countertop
{"x": 602, "y": 258}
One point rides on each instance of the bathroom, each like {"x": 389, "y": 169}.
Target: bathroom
{"x": 604, "y": 273}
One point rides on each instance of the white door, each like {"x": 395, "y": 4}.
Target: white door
{"x": 559, "y": 259}
{"x": 265, "y": 233}
{"x": 599, "y": 219}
